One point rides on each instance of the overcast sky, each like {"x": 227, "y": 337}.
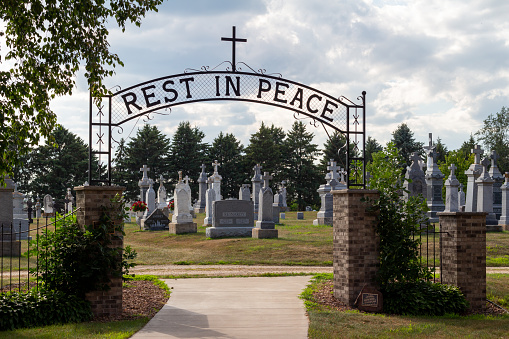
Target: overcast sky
{"x": 439, "y": 66}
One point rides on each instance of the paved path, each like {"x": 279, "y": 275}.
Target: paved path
{"x": 256, "y": 307}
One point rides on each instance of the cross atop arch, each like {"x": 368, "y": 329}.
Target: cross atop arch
{"x": 233, "y": 39}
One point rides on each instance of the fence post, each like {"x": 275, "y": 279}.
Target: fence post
{"x": 356, "y": 244}
{"x": 89, "y": 200}
{"x": 463, "y": 254}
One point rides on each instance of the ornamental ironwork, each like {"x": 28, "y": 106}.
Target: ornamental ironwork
{"x": 236, "y": 82}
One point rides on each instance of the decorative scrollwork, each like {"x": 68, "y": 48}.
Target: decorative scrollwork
{"x": 313, "y": 121}
{"x": 120, "y": 130}
{"x": 147, "y": 117}
{"x": 116, "y": 87}
{"x": 207, "y": 68}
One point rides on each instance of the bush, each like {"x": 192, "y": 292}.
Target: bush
{"x": 76, "y": 261}
{"x": 35, "y": 308}
{"x": 423, "y": 298}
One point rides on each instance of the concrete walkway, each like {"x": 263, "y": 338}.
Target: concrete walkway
{"x": 258, "y": 307}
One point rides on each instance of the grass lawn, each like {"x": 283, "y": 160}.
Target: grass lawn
{"x": 299, "y": 243}
{"x": 329, "y": 323}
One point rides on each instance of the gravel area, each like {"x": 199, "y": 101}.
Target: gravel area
{"x": 224, "y": 270}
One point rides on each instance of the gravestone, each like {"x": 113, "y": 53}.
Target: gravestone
{"x": 216, "y": 181}
{"x": 275, "y": 212}
{"x": 182, "y": 220}
{"x": 156, "y": 221}
{"x": 434, "y": 182}
{"x": 473, "y": 172}
{"x": 415, "y": 184}
{"x": 231, "y": 218}
{"x": 20, "y": 222}
{"x": 485, "y": 197}
{"x": 188, "y": 189}
{"x": 9, "y": 245}
{"x": 325, "y": 214}
{"x": 504, "y": 216}
{"x": 282, "y": 196}
{"x": 38, "y": 213}
{"x": 300, "y": 215}
{"x": 257, "y": 184}
{"x": 69, "y": 200}
{"x": 201, "y": 204}
{"x": 48, "y": 206}
{"x": 161, "y": 194}
{"x": 461, "y": 198}
{"x": 144, "y": 183}
{"x": 265, "y": 226}
{"x": 210, "y": 198}
{"x": 498, "y": 179}
{"x": 451, "y": 191}
{"x": 282, "y": 215}
{"x": 245, "y": 193}
{"x": 150, "y": 199}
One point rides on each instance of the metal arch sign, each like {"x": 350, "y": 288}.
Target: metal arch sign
{"x": 165, "y": 92}
{"x": 155, "y": 95}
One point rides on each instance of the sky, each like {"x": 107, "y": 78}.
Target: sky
{"x": 440, "y": 66}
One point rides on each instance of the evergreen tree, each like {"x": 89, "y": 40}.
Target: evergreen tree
{"x": 149, "y": 147}
{"x": 442, "y": 151}
{"x": 227, "y": 150}
{"x": 334, "y": 148}
{"x": 266, "y": 147}
{"x": 372, "y": 146}
{"x": 494, "y": 136}
{"x": 403, "y": 139}
{"x": 56, "y": 166}
{"x": 467, "y": 146}
{"x": 188, "y": 152}
{"x": 302, "y": 175}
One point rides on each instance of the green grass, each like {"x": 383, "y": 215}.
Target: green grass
{"x": 329, "y": 323}
{"x": 111, "y": 330}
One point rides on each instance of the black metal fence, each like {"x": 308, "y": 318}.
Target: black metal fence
{"x": 429, "y": 248}
{"x": 20, "y": 266}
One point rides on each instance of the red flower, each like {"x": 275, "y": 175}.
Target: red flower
{"x": 139, "y": 206}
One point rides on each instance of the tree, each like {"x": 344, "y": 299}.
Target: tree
{"x": 403, "y": 139}
{"x": 149, "y": 147}
{"x": 457, "y": 158}
{"x": 303, "y": 177}
{"x": 335, "y": 148}
{"x": 398, "y": 221}
{"x": 47, "y": 42}
{"x": 227, "y": 150}
{"x": 187, "y": 153}
{"x": 266, "y": 148}
{"x": 467, "y": 147}
{"x": 56, "y": 166}
{"x": 372, "y": 146}
{"x": 442, "y": 151}
{"x": 494, "y": 136}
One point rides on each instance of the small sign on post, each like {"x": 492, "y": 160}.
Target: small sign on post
{"x": 369, "y": 300}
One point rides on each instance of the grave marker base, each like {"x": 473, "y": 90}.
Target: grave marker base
{"x": 183, "y": 228}
{"x": 260, "y": 233}
{"x": 220, "y": 232}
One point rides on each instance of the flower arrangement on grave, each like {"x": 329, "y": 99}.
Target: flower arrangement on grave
{"x": 139, "y": 206}
{"x": 171, "y": 204}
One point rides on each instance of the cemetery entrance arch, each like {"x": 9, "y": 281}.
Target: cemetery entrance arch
{"x": 233, "y": 84}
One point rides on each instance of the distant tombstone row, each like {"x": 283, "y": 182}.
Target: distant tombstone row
{"x": 483, "y": 192}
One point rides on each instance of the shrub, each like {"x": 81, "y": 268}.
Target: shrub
{"x": 423, "y": 298}
{"x": 36, "y": 308}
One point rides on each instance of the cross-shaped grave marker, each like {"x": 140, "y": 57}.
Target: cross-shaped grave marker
{"x": 186, "y": 178}
{"x": 203, "y": 168}
{"x": 266, "y": 177}
{"x": 233, "y": 39}
{"x": 215, "y": 164}
{"x": 478, "y": 151}
{"x": 145, "y": 170}
{"x": 494, "y": 158}
{"x": 333, "y": 168}
{"x": 180, "y": 177}
{"x": 452, "y": 167}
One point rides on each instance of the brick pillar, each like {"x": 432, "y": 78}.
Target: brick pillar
{"x": 463, "y": 254}
{"x": 90, "y": 199}
{"x": 356, "y": 244}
